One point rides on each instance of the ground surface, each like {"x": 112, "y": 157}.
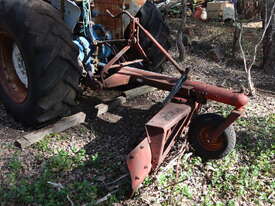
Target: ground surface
{"x": 75, "y": 166}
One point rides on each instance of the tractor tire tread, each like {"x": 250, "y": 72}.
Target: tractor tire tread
{"x": 48, "y": 47}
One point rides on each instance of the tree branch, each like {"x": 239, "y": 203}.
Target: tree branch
{"x": 248, "y": 68}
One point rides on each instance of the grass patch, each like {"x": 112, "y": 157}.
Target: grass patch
{"x": 246, "y": 176}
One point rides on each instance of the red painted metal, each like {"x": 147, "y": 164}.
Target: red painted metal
{"x": 161, "y": 131}
{"x": 168, "y": 116}
{"x": 133, "y": 41}
{"x": 234, "y": 115}
{"x": 171, "y": 121}
{"x": 118, "y": 25}
{"x": 125, "y": 64}
{"x": 163, "y": 128}
{"x": 116, "y": 80}
{"x": 111, "y": 24}
{"x": 174, "y": 118}
{"x": 134, "y": 37}
{"x": 115, "y": 59}
{"x": 219, "y": 94}
{"x": 165, "y": 82}
{"x": 139, "y": 163}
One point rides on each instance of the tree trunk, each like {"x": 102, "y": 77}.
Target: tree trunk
{"x": 249, "y": 9}
{"x": 179, "y": 41}
{"x": 269, "y": 41}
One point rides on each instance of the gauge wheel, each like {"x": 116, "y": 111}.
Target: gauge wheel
{"x": 39, "y": 74}
{"x": 201, "y": 141}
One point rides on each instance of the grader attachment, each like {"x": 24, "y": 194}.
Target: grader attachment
{"x": 39, "y": 79}
{"x": 173, "y": 120}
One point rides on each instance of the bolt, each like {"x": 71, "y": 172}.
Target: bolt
{"x": 141, "y": 147}
{"x": 136, "y": 178}
{"x": 131, "y": 157}
{"x": 146, "y": 167}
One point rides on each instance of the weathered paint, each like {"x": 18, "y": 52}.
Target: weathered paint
{"x": 118, "y": 25}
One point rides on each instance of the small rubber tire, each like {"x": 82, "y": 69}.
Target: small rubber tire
{"x": 49, "y": 55}
{"x": 199, "y": 139}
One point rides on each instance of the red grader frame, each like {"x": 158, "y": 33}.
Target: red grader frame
{"x": 210, "y": 135}
{"x": 174, "y": 118}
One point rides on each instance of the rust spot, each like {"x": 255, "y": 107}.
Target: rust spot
{"x": 169, "y": 115}
{"x": 9, "y": 80}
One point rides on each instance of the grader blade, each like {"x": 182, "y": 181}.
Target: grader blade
{"x": 170, "y": 122}
{"x": 139, "y": 163}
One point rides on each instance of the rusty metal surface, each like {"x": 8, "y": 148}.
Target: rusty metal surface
{"x": 116, "y": 25}
{"x": 219, "y": 94}
{"x": 169, "y": 115}
{"x": 135, "y": 27}
{"x": 125, "y": 64}
{"x": 233, "y": 116}
{"x": 174, "y": 118}
{"x": 9, "y": 80}
{"x": 139, "y": 163}
{"x": 162, "y": 49}
{"x": 133, "y": 42}
{"x": 111, "y": 24}
{"x": 200, "y": 90}
{"x": 116, "y": 80}
{"x": 163, "y": 129}
{"x": 165, "y": 82}
{"x": 115, "y": 59}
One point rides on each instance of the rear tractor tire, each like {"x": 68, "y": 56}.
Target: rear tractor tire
{"x": 39, "y": 74}
{"x": 201, "y": 141}
{"x": 151, "y": 19}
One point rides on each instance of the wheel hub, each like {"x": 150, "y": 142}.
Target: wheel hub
{"x": 13, "y": 72}
{"x": 207, "y": 141}
{"x": 19, "y": 65}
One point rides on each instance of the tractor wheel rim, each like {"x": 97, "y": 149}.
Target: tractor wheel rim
{"x": 13, "y": 71}
{"x": 19, "y": 65}
{"x": 206, "y": 141}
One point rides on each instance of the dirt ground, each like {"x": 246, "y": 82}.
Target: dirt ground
{"x": 104, "y": 139}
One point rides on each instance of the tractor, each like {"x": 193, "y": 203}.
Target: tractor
{"x": 49, "y": 47}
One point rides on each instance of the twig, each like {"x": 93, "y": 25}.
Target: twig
{"x": 263, "y": 35}
{"x": 118, "y": 179}
{"x": 170, "y": 164}
{"x": 182, "y": 151}
{"x": 179, "y": 42}
{"x": 70, "y": 200}
{"x": 248, "y": 68}
{"x": 60, "y": 187}
{"x": 105, "y": 198}
{"x": 172, "y": 185}
{"x": 241, "y": 47}
{"x": 56, "y": 185}
{"x": 266, "y": 11}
